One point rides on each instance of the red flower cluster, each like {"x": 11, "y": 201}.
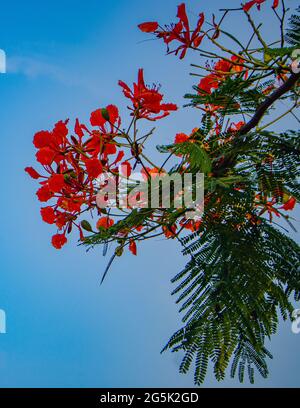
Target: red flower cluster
{"x": 183, "y": 138}
{"x": 105, "y": 222}
{"x": 258, "y": 3}
{"x": 180, "y": 32}
{"x": 221, "y": 70}
{"x": 72, "y": 163}
{"x": 190, "y": 225}
{"x": 147, "y": 102}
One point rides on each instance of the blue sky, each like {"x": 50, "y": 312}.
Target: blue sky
{"x": 64, "y": 330}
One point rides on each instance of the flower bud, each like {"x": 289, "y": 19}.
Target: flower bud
{"x": 86, "y": 226}
{"x": 105, "y": 114}
{"x": 119, "y": 250}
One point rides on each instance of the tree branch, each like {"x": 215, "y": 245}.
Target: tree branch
{"x": 287, "y": 86}
{"x": 222, "y": 165}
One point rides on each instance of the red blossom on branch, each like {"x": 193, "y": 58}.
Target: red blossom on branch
{"x": 59, "y": 240}
{"x": 72, "y": 165}
{"x": 132, "y": 247}
{"x": 220, "y": 71}
{"x": 247, "y": 6}
{"x": 181, "y": 138}
{"x": 32, "y": 173}
{"x": 169, "y": 231}
{"x": 147, "y": 102}
{"x": 105, "y": 222}
{"x": 48, "y": 215}
{"x": 180, "y": 32}
{"x": 149, "y": 27}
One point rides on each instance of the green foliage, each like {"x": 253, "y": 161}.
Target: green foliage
{"x": 271, "y": 161}
{"x": 194, "y": 154}
{"x": 135, "y": 218}
{"x": 242, "y": 270}
{"x": 233, "y": 96}
{"x": 293, "y": 33}
{"x": 279, "y": 52}
{"x": 230, "y": 291}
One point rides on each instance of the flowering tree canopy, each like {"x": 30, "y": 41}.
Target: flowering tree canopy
{"x": 242, "y": 268}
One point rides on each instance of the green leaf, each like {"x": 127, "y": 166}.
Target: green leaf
{"x": 86, "y": 226}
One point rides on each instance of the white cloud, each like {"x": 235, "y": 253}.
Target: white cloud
{"x": 32, "y": 67}
{"x": 35, "y": 67}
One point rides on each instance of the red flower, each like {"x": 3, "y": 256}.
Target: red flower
{"x": 105, "y": 222}
{"x": 42, "y": 139}
{"x": 237, "y": 65}
{"x": 149, "y": 27}
{"x": 191, "y": 225}
{"x": 51, "y": 145}
{"x": 180, "y": 32}
{"x": 101, "y": 116}
{"x": 97, "y": 119}
{"x": 60, "y": 132}
{"x": 78, "y": 129}
{"x": 151, "y": 173}
{"x": 268, "y": 206}
{"x": 251, "y": 3}
{"x": 258, "y": 3}
{"x": 181, "y": 138}
{"x": 146, "y": 101}
{"x": 223, "y": 66}
{"x": 113, "y": 114}
{"x": 77, "y": 164}
{"x": 235, "y": 127}
{"x": 169, "y": 231}
{"x": 109, "y": 148}
{"x": 94, "y": 168}
{"x": 61, "y": 220}
{"x": 208, "y": 83}
{"x": 59, "y": 240}
{"x": 289, "y": 205}
{"x": 132, "y": 247}
{"x": 71, "y": 204}
{"x": 48, "y": 215}
{"x": 44, "y": 194}
{"x": 32, "y": 173}
{"x": 45, "y": 156}
{"x": 56, "y": 183}
{"x": 222, "y": 69}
